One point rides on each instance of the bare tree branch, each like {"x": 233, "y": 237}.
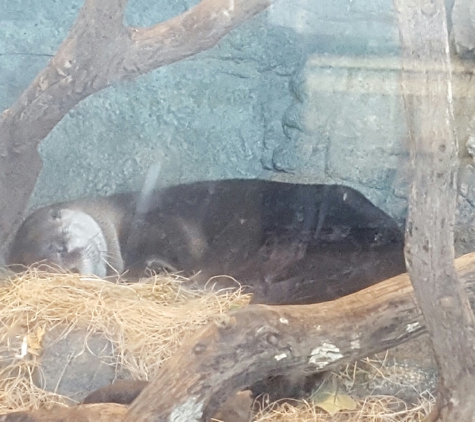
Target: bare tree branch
{"x": 207, "y": 23}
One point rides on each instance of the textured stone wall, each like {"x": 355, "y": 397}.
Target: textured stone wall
{"x": 307, "y": 91}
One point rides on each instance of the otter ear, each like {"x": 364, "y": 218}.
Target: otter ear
{"x": 55, "y": 214}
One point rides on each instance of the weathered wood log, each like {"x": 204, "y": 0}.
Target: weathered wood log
{"x": 98, "y": 52}
{"x": 258, "y": 341}
{"x": 429, "y": 245}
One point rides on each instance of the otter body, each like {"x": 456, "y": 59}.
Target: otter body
{"x": 290, "y": 243}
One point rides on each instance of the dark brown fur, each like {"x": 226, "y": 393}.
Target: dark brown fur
{"x": 287, "y": 243}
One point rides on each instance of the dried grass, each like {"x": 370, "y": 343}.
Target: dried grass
{"x": 146, "y": 322}
{"x": 370, "y": 409}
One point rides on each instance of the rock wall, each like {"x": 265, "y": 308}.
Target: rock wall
{"x": 307, "y": 91}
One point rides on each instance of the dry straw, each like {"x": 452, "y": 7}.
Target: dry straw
{"x": 370, "y": 409}
{"x": 146, "y": 322}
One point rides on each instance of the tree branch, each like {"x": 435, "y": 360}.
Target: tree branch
{"x": 259, "y": 341}
{"x": 429, "y": 238}
{"x": 206, "y": 23}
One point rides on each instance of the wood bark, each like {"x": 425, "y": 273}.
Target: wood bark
{"x": 98, "y": 52}
{"x": 257, "y": 341}
{"x": 429, "y": 236}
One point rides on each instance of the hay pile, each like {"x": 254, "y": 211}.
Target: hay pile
{"x": 371, "y": 409}
{"x": 146, "y": 322}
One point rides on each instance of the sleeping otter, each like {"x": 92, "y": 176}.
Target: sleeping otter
{"x": 289, "y": 243}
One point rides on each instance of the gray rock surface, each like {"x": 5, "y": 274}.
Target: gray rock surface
{"x": 407, "y": 371}
{"x": 75, "y": 364}
{"x": 464, "y": 27}
{"x": 307, "y": 91}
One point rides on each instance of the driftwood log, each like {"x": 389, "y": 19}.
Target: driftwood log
{"x": 257, "y": 341}
{"x": 429, "y": 246}
{"x": 98, "y": 52}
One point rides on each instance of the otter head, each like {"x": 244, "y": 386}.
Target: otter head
{"x": 62, "y": 237}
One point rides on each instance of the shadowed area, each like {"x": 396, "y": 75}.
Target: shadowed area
{"x": 287, "y": 243}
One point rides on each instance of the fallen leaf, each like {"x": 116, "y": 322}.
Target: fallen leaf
{"x": 332, "y": 401}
